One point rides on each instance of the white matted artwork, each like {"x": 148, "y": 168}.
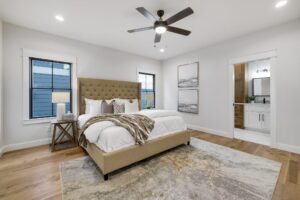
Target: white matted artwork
{"x": 188, "y": 101}
{"x": 188, "y": 75}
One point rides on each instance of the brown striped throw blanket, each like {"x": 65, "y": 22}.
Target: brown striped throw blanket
{"x": 139, "y": 126}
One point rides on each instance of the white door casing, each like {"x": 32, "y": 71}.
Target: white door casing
{"x": 272, "y": 55}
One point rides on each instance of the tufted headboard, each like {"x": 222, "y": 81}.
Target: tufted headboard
{"x": 99, "y": 89}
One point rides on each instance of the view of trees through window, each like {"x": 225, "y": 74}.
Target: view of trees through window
{"x": 48, "y": 76}
{"x": 148, "y": 90}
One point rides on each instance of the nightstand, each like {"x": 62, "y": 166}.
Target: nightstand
{"x": 64, "y": 129}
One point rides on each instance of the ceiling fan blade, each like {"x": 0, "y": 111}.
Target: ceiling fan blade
{"x": 182, "y": 14}
{"x": 140, "y": 29}
{"x": 157, "y": 38}
{"x": 178, "y": 30}
{"x": 147, "y": 14}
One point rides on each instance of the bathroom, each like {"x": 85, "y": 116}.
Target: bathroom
{"x": 252, "y": 93}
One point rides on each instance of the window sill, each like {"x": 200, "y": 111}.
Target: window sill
{"x": 38, "y": 120}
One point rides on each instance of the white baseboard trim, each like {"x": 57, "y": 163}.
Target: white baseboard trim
{"x": 281, "y": 146}
{"x": 24, "y": 145}
{"x": 208, "y": 130}
{"x": 287, "y": 147}
{"x": 1, "y": 151}
{"x": 30, "y": 144}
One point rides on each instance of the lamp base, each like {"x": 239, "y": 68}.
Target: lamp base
{"x": 60, "y": 110}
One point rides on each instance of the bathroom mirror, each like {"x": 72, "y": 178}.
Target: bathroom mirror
{"x": 261, "y": 86}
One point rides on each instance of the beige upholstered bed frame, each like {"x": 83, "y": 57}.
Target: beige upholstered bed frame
{"x": 109, "y": 162}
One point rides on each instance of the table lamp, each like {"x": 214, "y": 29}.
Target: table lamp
{"x": 60, "y": 98}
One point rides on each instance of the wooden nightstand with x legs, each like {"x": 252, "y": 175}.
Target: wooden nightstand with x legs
{"x": 64, "y": 129}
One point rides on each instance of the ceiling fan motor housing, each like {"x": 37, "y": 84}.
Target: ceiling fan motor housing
{"x": 160, "y": 24}
{"x": 160, "y": 13}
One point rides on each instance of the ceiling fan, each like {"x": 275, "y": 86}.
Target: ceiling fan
{"x": 161, "y": 26}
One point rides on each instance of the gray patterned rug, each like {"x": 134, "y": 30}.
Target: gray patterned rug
{"x": 203, "y": 171}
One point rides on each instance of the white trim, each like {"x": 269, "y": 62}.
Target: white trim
{"x": 273, "y": 100}
{"x": 138, "y": 70}
{"x": 1, "y": 151}
{"x": 38, "y": 120}
{"x": 27, "y": 53}
{"x": 1, "y": 88}
{"x": 253, "y": 57}
{"x": 287, "y": 147}
{"x": 209, "y": 130}
{"x": 35, "y": 143}
{"x": 25, "y": 145}
{"x": 281, "y": 146}
{"x": 264, "y": 55}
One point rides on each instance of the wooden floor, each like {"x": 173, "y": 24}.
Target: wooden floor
{"x": 34, "y": 173}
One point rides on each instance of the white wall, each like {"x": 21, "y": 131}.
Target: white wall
{"x": 1, "y": 81}
{"x": 92, "y": 61}
{"x": 214, "y": 81}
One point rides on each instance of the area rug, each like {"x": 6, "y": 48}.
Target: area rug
{"x": 203, "y": 171}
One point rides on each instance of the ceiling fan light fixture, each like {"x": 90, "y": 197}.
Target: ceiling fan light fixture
{"x": 162, "y": 50}
{"x": 160, "y": 29}
{"x": 160, "y": 25}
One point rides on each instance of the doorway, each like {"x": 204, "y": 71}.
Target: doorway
{"x": 252, "y": 96}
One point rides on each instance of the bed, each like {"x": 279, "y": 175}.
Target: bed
{"x": 115, "y": 157}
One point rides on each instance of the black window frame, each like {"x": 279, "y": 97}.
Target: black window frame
{"x": 52, "y": 88}
{"x": 154, "y": 88}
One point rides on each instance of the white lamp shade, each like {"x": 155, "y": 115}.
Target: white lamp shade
{"x": 60, "y": 97}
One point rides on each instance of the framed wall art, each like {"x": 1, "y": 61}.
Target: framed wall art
{"x": 188, "y": 75}
{"x": 188, "y": 100}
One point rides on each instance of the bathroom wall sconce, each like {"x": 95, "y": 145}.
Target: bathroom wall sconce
{"x": 262, "y": 70}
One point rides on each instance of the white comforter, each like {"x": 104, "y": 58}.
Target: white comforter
{"x": 109, "y": 137}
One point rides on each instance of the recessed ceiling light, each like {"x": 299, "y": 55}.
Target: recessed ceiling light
{"x": 281, "y": 3}
{"x": 162, "y": 50}
{"x": 59, "y": 18}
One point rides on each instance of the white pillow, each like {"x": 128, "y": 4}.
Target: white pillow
{"x": 131, "y": 106}
{"x": 87, "y": 106}
{"x": 93, "y": 107}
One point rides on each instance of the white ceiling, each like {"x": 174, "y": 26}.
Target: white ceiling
{"x": 105, "y": 22}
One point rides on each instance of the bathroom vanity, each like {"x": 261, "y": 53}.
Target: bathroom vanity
{"x": 257, "y": 117}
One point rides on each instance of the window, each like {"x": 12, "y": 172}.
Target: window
{"x": 148, "y": 90}
{"x": 47, "y": 76}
